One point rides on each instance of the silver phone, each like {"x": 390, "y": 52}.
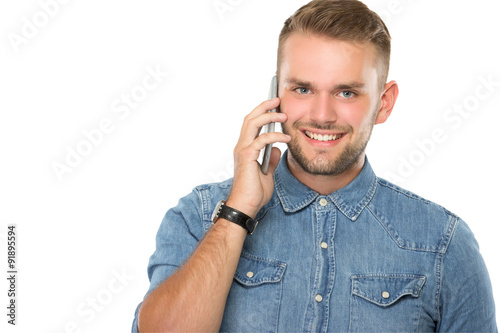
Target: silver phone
{"x": 273, "y": 92}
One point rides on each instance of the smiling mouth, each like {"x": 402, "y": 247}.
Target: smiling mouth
{"x": 323, "y": 137}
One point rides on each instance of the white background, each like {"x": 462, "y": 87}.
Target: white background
{"x": 76, "y": 234}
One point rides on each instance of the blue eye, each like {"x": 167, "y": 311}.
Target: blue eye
{"x": 347, "y": 94}
{"x": 302, "y": 91}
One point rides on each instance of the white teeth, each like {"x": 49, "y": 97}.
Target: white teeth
{"x": 321, "y": 137}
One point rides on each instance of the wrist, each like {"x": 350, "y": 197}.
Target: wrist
{"x": 231, "y": 214}
{"x": 243, "y": 206}
{"x": 230, "y": 228}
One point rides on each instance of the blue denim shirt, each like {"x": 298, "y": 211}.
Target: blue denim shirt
{"x": 370, "y": 257}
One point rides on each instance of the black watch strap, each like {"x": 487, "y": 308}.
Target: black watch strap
{"x": 235, "y": 216}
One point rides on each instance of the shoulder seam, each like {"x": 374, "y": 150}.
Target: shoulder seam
{"x": 202, "y": 192}
{"x": 398, "y": 189}
{"x": 412, "y": 195}
{"x": 440, "y": 261}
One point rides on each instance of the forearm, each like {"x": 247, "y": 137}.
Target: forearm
{"x": 194, "y": 297}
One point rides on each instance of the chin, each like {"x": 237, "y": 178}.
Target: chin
{"x": 324, "y": 163}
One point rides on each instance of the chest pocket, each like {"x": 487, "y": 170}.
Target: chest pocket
{"x": 385, "y": 303}
{"x": 254, "y": 299}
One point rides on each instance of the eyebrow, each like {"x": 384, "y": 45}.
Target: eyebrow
{"x": 340, "y": 86}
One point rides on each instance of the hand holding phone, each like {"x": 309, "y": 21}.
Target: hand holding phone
{"x": 251, "y": 189}
{"x": 273, "y": 92}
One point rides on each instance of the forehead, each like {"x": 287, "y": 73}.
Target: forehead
{"x": 323, "y": 58}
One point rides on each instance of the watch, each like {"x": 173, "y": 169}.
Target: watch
{"x": 233, "y": 215}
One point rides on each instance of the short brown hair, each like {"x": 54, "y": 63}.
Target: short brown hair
{"x": 349, "y": 20}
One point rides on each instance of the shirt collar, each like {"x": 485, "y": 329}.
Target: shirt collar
{"x": 350, "y": 200}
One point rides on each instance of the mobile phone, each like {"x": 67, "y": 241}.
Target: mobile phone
{"x": 273, "y": 92}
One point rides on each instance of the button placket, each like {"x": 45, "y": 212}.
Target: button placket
{"x": 318, "y": 310}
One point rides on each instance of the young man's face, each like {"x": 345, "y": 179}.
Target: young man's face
{"x": 328, "y": 89}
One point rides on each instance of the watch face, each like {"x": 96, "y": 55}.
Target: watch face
{"x": 215, "y": 213}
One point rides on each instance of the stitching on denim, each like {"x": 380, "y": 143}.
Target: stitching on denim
{"x": 273, "y": 203}
{"x": 180, "y": 214}
{"x": 412, "y": 195}
{"x": 353, "y": 211}
{"x": 453, "y": 221}
{"x": 371, "y": 210}
{"x": 367, "y": 199}
{"x": 287, "y": 206}
{"x": 306, "y": 202}
{"x": 202, "y": 192}
{"x": 439, "y": 263}
{"x": 308, "y": 319}
{"x": 437, "y": 292}
{"x": 280, "y": 296}
{"x": 390, "y": 275}
{"x": 317, "y": 251}
{"x": 398, "y": 189}
{"x": 277, "y": 266}
{"x": 273, "y": 261}
{"x": 414, "y": 291}
{"x": 204, "y": 195}
{"x": 351, "y": 300}
{"x": 394, "y": 236}
{"x": 421, "y": 309}
{"x": 331, "y": 227}
{"x": 278, "y": 186}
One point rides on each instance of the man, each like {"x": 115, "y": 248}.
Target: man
{"x": 335, "y": 248}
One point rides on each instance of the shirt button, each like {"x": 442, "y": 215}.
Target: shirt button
{"x": 385, "y": 294}
{"x": 318, "y": 298}
{"x": 324, "y": 245}
{"x": 249, "y": 274}
{"x": 323, "y": 202}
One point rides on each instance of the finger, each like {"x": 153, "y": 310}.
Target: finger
{"x": 264, "y": 107}
{"x": 269, "y": 138}
{"x": 260, "y": 110}
{"x": 254, "y": 126}
{"x": 251, "y": 152}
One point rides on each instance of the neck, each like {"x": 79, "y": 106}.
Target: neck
{"x": 326, "y": 184}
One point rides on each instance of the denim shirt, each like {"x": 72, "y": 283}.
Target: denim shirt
{"x": 370, "y": 257}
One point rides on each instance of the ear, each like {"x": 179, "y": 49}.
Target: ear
{"x": 387, "y": 101}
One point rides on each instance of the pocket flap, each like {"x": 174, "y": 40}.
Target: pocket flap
{"x": 253, "y": 270}
{"x": 384, "y": 290}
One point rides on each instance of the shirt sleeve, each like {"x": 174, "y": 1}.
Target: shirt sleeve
{"x": 466, "y": 300}
{"x": 180, "y": 231}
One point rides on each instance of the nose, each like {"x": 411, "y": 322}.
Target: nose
{"x": 323, "y": 110}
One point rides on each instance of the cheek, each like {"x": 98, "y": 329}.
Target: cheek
{"x": 294, "y": 109}
{"x": 353, "y": 114}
